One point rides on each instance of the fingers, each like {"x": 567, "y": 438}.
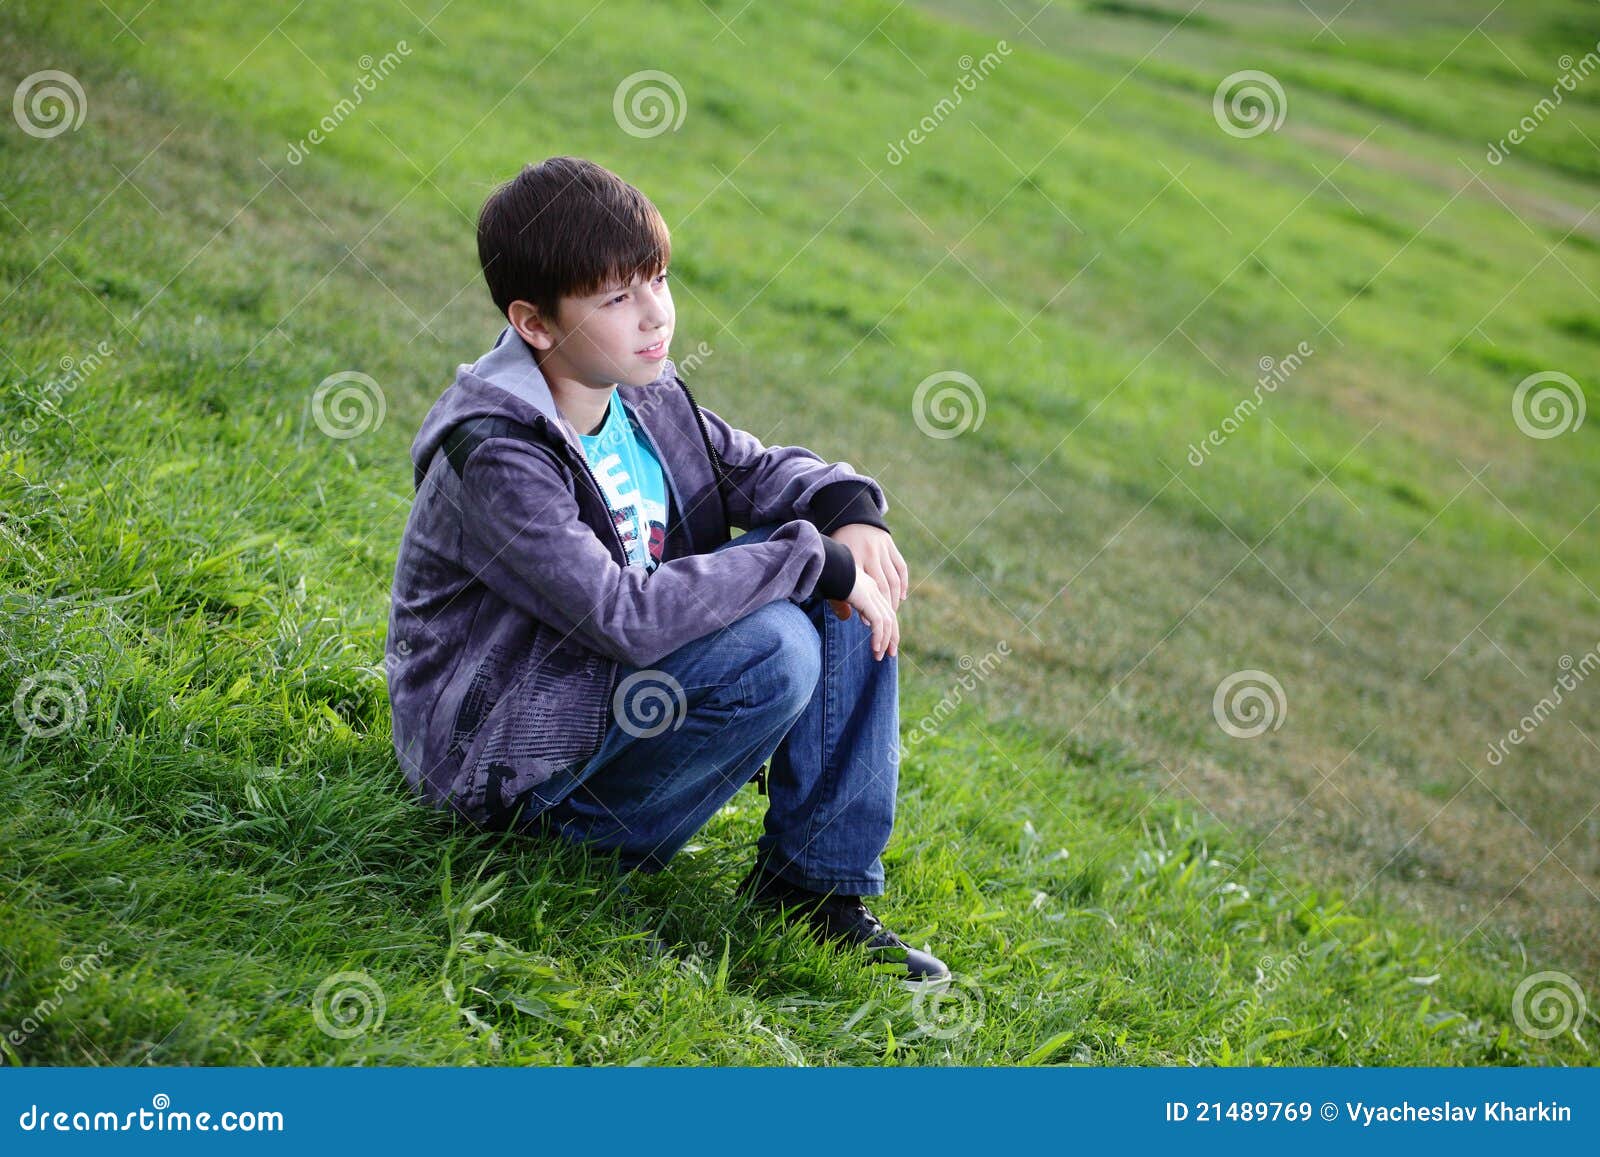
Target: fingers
{"x": 872, "y": 600}
{"x": 889, "y": 568}
{"x": 886, "y": 630}
{"x": 892, "y": 573}
{"x": 888, "y": 582}
{"x": 878, "y": 617}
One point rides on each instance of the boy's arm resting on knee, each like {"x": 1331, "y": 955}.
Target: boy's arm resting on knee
{"x": 522, "y": 536}
{"x": 779, "y": 483}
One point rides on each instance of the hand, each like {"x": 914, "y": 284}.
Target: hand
{"x": 878, "y": 559}
{"x": 877, "y": 611}
{"x": 876, "y": 553}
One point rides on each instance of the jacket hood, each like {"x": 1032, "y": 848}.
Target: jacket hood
{"x": 505, "y": 382}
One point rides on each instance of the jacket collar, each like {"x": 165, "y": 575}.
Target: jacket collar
{"x": 511, "y": 366}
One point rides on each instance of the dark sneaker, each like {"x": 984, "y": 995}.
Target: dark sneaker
{"x": 843, "y": 919}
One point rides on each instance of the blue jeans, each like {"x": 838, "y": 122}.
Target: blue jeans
{"x": 790, "y": 682}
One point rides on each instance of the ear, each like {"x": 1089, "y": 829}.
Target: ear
{"x": 524, "y": 317}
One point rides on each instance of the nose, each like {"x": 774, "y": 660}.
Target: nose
{"x": 659, "y": 312}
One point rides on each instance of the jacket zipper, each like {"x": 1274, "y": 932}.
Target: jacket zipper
{"x": 719, "y": 470}
{"x": 622, "y": 551}
{"x": 717, "y": 466}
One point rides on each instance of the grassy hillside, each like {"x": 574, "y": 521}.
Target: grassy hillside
{"x": 196, "y": 574}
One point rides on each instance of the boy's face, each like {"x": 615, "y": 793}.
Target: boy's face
{"x": 617, "y": 337}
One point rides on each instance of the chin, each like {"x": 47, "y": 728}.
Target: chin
{"x": 645, "y": 377}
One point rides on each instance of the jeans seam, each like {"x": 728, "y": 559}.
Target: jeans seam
{"x": 826, "y": 756}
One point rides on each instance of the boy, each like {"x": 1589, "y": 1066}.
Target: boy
{"x": 577, "y": 648}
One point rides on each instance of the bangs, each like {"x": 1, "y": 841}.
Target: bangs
{"x": 568, "y": 228}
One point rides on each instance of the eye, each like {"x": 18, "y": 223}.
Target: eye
{"x": 661, "y": 277}
{"x": 619, "y": 297}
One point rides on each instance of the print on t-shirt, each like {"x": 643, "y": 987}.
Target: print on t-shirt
{"x": 631, "y": 479}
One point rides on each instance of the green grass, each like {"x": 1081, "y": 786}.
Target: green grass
{"x": 1115, "y": 878}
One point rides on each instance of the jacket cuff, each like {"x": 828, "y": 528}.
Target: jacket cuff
{"x": 845, "y": 501}
{"x": 838, "y": 570}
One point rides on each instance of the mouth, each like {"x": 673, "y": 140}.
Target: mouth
{"x": 659, "y": 350}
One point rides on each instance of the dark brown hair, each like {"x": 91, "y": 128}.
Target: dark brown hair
{"x": 567, "y": 227}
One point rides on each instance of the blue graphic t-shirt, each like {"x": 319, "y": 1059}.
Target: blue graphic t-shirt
{"x": 631, "y": 479}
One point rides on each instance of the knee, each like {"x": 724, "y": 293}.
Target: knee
{"x": 786, "y": 655}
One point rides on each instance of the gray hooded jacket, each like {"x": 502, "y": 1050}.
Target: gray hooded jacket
{"x": 514, "y": 603}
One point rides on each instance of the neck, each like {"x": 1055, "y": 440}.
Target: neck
{"x": 583, "y": 405}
